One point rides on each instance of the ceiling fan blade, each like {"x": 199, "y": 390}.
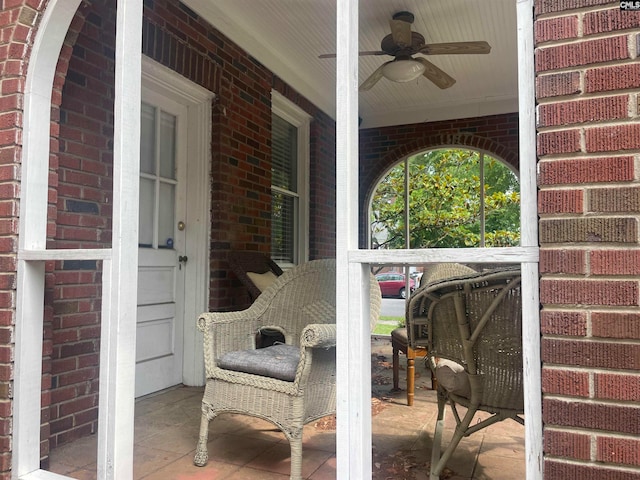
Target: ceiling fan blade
{"x": 373, "y": 78}
{"x": 361, "y": 54}
{"x": 401, "y": 32}
{"x": 455, "y": 48}
{"x": 435, "y": 74}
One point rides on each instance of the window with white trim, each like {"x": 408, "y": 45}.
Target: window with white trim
{"x": 289, "y": 182}
{"x": 457, "y": 197}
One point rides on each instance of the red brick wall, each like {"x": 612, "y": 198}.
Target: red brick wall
{"x": 82, "y": 179}
{"x": 589, "y": 204}
{"x": 382, "y": 148}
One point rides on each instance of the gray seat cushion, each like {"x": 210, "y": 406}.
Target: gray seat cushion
{"x": 452, "y": 377}
{"x": 277, "y": 361}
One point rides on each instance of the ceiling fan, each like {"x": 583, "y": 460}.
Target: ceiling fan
{"x": 402, "y": 44}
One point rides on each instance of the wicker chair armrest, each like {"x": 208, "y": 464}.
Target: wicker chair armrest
{"x": 226, "y": 332}
{"x": 318, "y": 335}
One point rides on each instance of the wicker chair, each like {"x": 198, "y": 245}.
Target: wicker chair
{"x": 400, "y": 335}
{"x": 301, "y": 304}
{"x": 248, "y": 266}
{"x": 472, "y": 329}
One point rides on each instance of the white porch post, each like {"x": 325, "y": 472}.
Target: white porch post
{"x": 529, "y": 238}
{"x": 354, "y": 335}
{"x": 118, "y": 339}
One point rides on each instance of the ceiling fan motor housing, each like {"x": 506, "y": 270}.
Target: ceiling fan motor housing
{"x": 390, "y": 47}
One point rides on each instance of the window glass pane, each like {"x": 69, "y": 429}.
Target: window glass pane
{"x": 167, "y": 145}
{"x": 284, "y": 148}
{"x": 145, "y": 223}
{"x": 147, "y": 138}
{"x": 283, "y": 228}
{"x": 166, "y": 215}
{"x": 445, "y": 203}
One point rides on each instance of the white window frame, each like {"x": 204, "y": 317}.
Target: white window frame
{"x": 300, "y": 119}
{"x": 353, "y": 264}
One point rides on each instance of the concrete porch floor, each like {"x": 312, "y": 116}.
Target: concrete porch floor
{"x": 244, "y": 448}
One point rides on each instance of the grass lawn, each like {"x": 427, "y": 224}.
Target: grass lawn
{"x": 386, "y": 328}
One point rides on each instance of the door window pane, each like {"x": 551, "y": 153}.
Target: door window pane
{"x": 166, "y": 215}
{"x": 148, "y": 139}
{"x": 147, "y": 207}
{"x": 157, "y": 178}
{"x": 167, "y": 145}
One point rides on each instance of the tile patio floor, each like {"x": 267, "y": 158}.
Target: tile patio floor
{"x": 243, "y": 448}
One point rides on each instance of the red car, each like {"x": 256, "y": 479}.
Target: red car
{"x": 393, "y": 284}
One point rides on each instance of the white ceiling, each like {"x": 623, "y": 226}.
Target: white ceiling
{"x": 288, "y": 35}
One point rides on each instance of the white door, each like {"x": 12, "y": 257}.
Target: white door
{"x": 162, "y": 241}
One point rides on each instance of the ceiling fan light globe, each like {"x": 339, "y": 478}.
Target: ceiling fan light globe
{"x": 402, "y": 71}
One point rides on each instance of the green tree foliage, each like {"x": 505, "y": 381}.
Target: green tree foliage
{"x": 445, "y": 202}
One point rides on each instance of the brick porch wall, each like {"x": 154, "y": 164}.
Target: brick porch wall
{"x": 587, "y": 84}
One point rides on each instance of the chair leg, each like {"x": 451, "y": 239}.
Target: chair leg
{"x": 396, "y": 367}
{"x": 458, "y": 434}
{"x": 295, "y": 443}
{"x": 202, "y": 454}
{"x": 437, "y": 439}
{"x": 411, "y": 375}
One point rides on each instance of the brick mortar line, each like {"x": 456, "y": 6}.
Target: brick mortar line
{"x": 581, "y": 39}
{"x": 576, "y": 97}
{"x": 564, "y": 156}
{"x": 592, "y": 463}
{"x": 578, "y": 308}
{"x": 584, "y": 156}
{"x": 604, "y": 123}
{"x": 588, "y": 215}
{"x": 563, "y": 368}
{"x": 589, "y": 66}
{"x": 591, "y": 8}
{"x": 586, "y": 186}
{"x": 578, "y": 430}
{"x": 604, "y": 340}
{"x": 592, "y": 401}
{"x": 592, "y": 248}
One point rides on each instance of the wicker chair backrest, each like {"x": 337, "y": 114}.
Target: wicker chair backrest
{"x": 476, "y": 321}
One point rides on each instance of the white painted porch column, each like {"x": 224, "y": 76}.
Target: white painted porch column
{"x": 352, "y": 296}
{"x": 120, "y": 276}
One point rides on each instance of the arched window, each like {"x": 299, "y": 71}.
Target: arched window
{"x": 456, "y": 198}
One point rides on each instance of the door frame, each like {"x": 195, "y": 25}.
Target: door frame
{"x": 198, "y": 101}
